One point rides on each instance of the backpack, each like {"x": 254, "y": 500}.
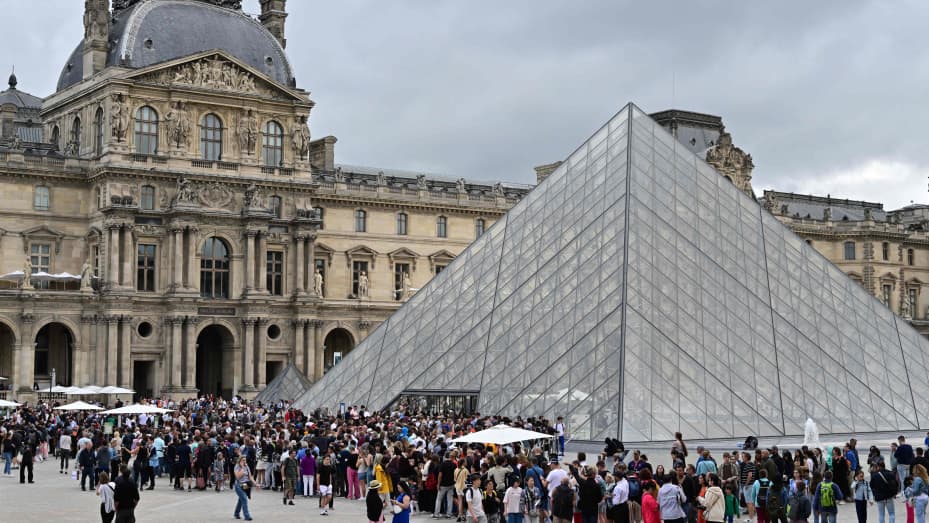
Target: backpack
{"x": 764, "y": 485}
{"x": 798, "y": 507}
{"x": 635, "y": 490}
{"x": 432, "y": 482}
{"x": 773, "y": 507}
{"x": 826, "y": 495}
{"x": 562, "y": 502}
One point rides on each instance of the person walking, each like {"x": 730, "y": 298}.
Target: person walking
{"x": 799, "y": 505}
{"x": 474, "y": 500}
{"x": 64, "y": 451}
{"x": 105, "y": 490}
{"x": 402, "y": 502}
{"x": 374, "y": 505}
{"x": 905, "y": 456}
{"x": 125, "y": 496}
{"x": 512, "y": 501}
{"x": 650, "y": 510}
{"x": 863, "y": 496}
{"x": 289, "y": 471}
{"x": 308, "y": 471}
{"x": 243, "y": 486}
{"x": 26, "y": 462}
{"x": 713, "y": 500}
{"x": 671, "y": 501}
{"x": 884, "y": 487}
{"x": 826, "y": 500}
{"x": 919, "y": 492}
{"x": 325, "y": 475}
{"x": 87, "y": 460}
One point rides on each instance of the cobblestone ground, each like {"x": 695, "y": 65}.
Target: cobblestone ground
{"x": 56, "y": 498}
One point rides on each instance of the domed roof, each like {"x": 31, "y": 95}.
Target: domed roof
{"x": 155, "y": 31}
{"x": 18, "y": 98}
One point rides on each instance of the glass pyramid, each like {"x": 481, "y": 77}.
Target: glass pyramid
{"x": 637, "y": 293}
{"x": 289, "y": 385}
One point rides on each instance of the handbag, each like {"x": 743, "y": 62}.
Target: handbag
{"x": 397, "y": 509}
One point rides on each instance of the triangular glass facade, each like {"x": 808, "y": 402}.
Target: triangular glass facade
{"x": 638, "y": 293}
{"x": 289, "y": 385}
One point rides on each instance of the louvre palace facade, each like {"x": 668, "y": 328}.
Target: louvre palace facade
{"x": 170, "y": 226}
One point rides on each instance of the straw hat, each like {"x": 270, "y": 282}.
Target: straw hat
{"x": 375, "y": 484}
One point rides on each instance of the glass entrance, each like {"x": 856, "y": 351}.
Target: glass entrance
{"x": 436, "y": 403}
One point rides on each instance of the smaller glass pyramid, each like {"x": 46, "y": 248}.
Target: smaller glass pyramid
{"x": 638, "y": 293}
{"x": 289, "y": 385}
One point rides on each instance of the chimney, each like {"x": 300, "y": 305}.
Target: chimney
{"x": 273, "y": 16}
{"x": 96, "y": 35}
{"x": 543, "y": 171}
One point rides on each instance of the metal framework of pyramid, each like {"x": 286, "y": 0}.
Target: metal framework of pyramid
{"x": 637, "y": 293}
{"x": 289, "y": 385}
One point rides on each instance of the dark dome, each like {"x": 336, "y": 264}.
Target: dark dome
{"x": 155, "y": 31}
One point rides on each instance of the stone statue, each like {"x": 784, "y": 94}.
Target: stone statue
{"x": 72, "y": 149}
{"x": 118, "y": 117}
{"x": 253, "y": 198}
{"x": 827, "y": 214}
{"x": 339, "y": 175}
{"x": 381, "y": 179}
{"x": 770, "y": 203}
{"x": 96, "y": 19}
{"x": 421, "y": 182}
{"x": 301, "y": 139}
{"x": 363, "y": 285}
{"x": 27, "y": 274}
{"x": 87, "y": 272}
{"x": 784, "y": 209}
{"x": 178, "y": 125}
{"x": 868, "y": 214}
{"x": 248, "y": 133}
{"x": 460, "y": 185}
{"x": 17, "y": 143}
{"x": 318, "y": 283}
{"x": 185, "y": 192}
{"x": 905, "y": 308}
{"x": 407, "y": 286}
{"x": 498, "y": 190}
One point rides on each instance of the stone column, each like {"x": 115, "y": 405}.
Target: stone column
{"x": 262, "y": 352}
{"x": 112, "y": 350}
{"x": 249, "y": 261}
{"x": 319, "y": 351}
{"x": 177, "y": 352}
{"x": 113, "y": 266}
{"x": 262, "y": 262}
{"x": 193, "y": 282}
{"x": 84, "y": 371}
{"x": 248, "y": 352}
{"x": 128, "y": 255}
{"x": 177, "y": 253}
{"x": 190, "y": 361}
{"x": 299, "y": 345}
{"x": 125, "y": 353}
{"x": 27, "y": 353}
{"x": 310, "y": 264}
{"x": 300, "y": 267}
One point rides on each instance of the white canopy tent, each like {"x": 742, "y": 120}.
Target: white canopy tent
{"x": 4, "y": 404}
{"x": 78, "y": 405}
{"x": 501, "y": 435}
{"x": 115, "y": 390}
{"x": 40, "y": 276}
{"x": 137, "y": 408}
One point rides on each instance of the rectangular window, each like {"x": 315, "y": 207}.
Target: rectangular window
{"x": 849, "y": 250}
{"x": 276, "y": 206}
{"x": 402, "y": 223}
{"x": 441, "y": 227}
{"x": 40, "y": 256}
{"x": 359, "y": 267}
{"x": 95, "y": 260}
{"x": 885, "y": 251}
{"x": 439, "y": 268}
{"x": 361, "y": 221}
{"x": 320, "y": 265}
{"x": 479, "y": 225}
{"x": 145, "y": 270}
{"x": 148, "y": 198}
{"x": 275, "y": 276}
{"x": 911, "y": 296}
{"x": 41, "y": 202}
{"x": 399, "y": 270}
{"x": 886, "y": 289}
{"x": 910, "y": 257}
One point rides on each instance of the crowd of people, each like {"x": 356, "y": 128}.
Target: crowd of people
{"x": 402, "y": 462}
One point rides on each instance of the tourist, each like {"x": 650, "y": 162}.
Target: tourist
{"x": 374, "y": 505}
{"x": 64, "y": 451}
{"x": 125, "y": 496}
{"x": 713, "y": 500}
{"x": 863, "y": 496}
{"x": 800, "y": 506}
{"x": 289, "y": 472}
{"x": 759, "y": 495}
{"x": 27, "y": 455}
{"x": 461, "y": 481}
{"x": 619, "y": 497}
{"x": 919, "y": 493}
{"x": 671, "y": 500}
{"x": 402, "y": 502}
{"x": 826, "y": 499}
{"x": 308, "y": 471}
{"x": 561, "y": 431}
{"x": 354, "y": 482}
{"x": 9, "y": 450}
{"x": 706, "y": 464}
{"x": 446, "y": 486}
{"x": 512, "y": 503}
{"x": 87, "y": 461}
{"x": 532, "y": 496}
{"x": 474, "y": 499}
{"x": 884, "y": 488}
{"x": 905, "y": 456}
{"x": 183, "y": 455}
{"x": 732, "y": 503}
{"x": 105, "y": 490}
{"x": 325, "y": 474}
{"x": 243, "y": 487}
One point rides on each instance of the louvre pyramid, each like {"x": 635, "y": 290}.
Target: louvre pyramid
{"x": 638, "y": 293}
{"x": 288, "y": 386}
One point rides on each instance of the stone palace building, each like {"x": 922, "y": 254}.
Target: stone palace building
{"x": 169, "y": 225}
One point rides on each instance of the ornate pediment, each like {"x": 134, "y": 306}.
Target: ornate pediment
{"x": 215, "y": 72}
{"x": 216, "y": 196}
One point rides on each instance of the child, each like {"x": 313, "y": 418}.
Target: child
{"x": 799, "y": 505}
{"x": 908, "y": 492}
{"x": 732, "y": 504}
{"x": 863, "y": 496}
{"x": 219, "y": 470}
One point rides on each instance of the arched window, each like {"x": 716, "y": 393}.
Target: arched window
{"x": 479, "y": 226}
{"x": 98, "y": 132}
{"x": 146, "y": 131}
{"x": 361, "y": 221}
{"x": 214, "y": 269}
{"x": 76, "y": 132}
{"x": 211, "y": 138}
{"x": 849, "y": 250}
{"x": 441, "y": 227}
{"x": 56, "y": 137}
{"x": 276, "y": 205}
{"x": 272, "y": 144}
{"x": 148, "y": 198}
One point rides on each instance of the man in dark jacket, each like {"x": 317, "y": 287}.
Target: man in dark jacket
{"x": 87, "y": 460}
{"x": 905, "y": 456}
{"x": 374, "y": 506}
{"x": 563, "y": 502}
{"x": 125, "y": 496}
{"x": 884, "y": 488}
{"x": 28, "y": 454}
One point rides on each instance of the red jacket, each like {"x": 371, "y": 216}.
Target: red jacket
{"x": 650, "y": 512}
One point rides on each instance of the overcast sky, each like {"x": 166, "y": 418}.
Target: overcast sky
{"x": 827, "y": 96}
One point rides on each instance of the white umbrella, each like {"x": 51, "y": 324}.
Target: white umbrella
{"x": 58, "y": 389}
{"x": 2, "y": 378}
{"x": 79, "y": 405}
{"x": 13, "y": 276}
{"x": 137, "y": 409}
{"x": 92, "y": 389}
{"x": 4, "y": 404}
{"x": 501, "y": 435}
{"x": 115, "y": 390}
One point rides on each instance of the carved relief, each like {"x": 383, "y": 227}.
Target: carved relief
{"x": 216, "y": 196}
{"x": 247, "y": 131}
{"x": 122, "y": 193}
{"x": 209, "y": 73}
{"x": 96, "y": 19}
{"x": 178, "y": 125}
{"x": 253, "y": 198}
{"x": 301, "y": 138}
{"x": 119, "y": 117}
{"x": 185, "y": 193}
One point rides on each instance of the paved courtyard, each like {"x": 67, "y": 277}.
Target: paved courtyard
{"x": 54, "y": 497}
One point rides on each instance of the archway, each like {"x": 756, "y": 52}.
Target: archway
{"x": 338, "y": 343}
{"x": 214, "y": 361}
{"x": 7, "y": 340}
{"x": 54, "y": 347}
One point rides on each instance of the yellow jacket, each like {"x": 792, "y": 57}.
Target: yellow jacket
{"x": 383, "y": 477}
